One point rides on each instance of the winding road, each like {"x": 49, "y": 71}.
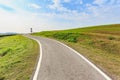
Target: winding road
{"x": 60, "y": 62}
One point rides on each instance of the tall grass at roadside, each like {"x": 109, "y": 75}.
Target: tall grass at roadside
{"x": 17, "y": 57}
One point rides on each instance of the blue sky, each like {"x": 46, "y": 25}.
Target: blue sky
{"x": 21, "y": 15}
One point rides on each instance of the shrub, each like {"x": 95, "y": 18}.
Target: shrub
{"x": 62, "y": 36}
{"x": 111, "y": 38}
{"x": 72, "y": 39}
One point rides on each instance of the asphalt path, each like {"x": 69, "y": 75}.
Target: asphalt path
{"x": 59, "y": 62}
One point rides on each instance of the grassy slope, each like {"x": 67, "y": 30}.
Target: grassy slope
{"x": 17, "y": 57}
{"x": 100, "y": 44}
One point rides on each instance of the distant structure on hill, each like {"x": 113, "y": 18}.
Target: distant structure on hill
{"x": 31, "y": 30}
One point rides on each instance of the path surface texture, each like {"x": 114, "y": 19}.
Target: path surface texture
{"x": 62, "y": 63}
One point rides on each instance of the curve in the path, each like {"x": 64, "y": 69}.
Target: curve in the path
{"x": 60, "y": 62}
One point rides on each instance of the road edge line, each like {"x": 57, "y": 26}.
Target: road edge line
{"x": 94, "y": 66}
{"x": 39, "y": 60}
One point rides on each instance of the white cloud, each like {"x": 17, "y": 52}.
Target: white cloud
{"x": 73, "y": 1}
{"x": 67, "y": 1}
{"x": 93, "y": 15}
{"x": 22, "y": 21}
{"x": 57, "y": 5}
{"x": 79, "y": 2}
{"x": 7, "y": 3}
{"x": 100, "y": 2}
{"x": 35, "y": 6}
{"x": 115, "y": 2}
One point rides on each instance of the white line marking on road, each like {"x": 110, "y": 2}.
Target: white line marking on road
{"x": 95, "y": 67}
{"x": 39, "y": 61}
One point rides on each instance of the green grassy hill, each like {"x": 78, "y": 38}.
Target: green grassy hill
{"x": 17, "y": 57}
{"x": 100, "y": 44}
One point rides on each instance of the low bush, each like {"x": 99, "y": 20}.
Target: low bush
{"x": 111, "y": 38}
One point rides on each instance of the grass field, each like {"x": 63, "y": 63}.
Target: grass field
{"x": 100, "y": 44}
{"x": 17, "y": 57}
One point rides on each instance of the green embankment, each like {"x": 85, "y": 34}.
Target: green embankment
{"x": 17, "y": 57}
{"x": 100, "y": 44}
